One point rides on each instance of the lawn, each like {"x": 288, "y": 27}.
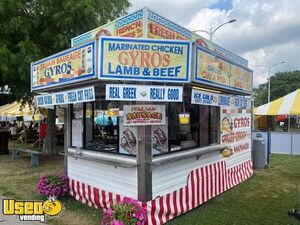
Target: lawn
{"x": 264, "y": 199}
{"x": 19, "y": 180}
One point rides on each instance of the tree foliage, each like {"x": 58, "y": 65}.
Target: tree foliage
{"x": 33, "y": 29}
{"x": 281, "y": 84}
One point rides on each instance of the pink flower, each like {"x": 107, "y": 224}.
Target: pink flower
{"x": 108, "y": 212}
{"x": 57, "y": 185}
{"x": 136, "y": 203}
{"x": 116, "y": 222}
{"x": 127, "y": 200}
{"x": 128, "y": 211}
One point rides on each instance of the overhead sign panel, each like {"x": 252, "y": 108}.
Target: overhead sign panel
{"x": 72, "y": 65}
{"x": 215, "y": 70}
{"x": 153, "y": 93}
{"x": 144, "y": 59}
{"x": 207, "y": 98}
{"x": 67, "y": 97}
{"x": 127, "y": 26}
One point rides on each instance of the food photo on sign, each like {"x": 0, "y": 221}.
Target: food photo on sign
{"x": 128, "y": 143}
{"x": 159, "y": 139}
{"x": 235, "y": 132}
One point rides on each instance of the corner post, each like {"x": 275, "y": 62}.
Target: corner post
{"x": 144, "y": 160}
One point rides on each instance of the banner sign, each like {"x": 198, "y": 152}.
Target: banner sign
{"x": 236, "y": 133}
{"x": 161, "y": 28}
{"x": 66, "y": 97}
{"x": 144, "y": 59}
{"x": 208, "y": 98}
{"x": 135, "y": 115}
{"x": 72, "y": 65}
{"x": 213, "y": 69}
{"x": 153, "y": 93}
{"x": 127, "y": 26}
{"x": 242, "y": 102}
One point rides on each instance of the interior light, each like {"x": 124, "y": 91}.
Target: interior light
{"x": 206, "y": 89}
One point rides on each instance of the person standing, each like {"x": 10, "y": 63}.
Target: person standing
{"x": 43, "y": 130}
{"x": 13, "y": 131}
{"x": 110, "y": 126}
{"x": 31, "y": 126}
{"x": 23, "y": 134}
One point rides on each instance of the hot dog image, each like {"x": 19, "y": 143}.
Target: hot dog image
{"x": 159, "y": 140}
{"x": 128, "y": 141}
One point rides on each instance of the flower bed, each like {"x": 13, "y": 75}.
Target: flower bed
{"x": 126, "y": 212}
{"x": 53, "y": 185}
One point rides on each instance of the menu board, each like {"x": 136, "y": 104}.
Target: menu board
{"x": 77, "y": 129}
{"x": 144, "y": 59}
{"x": 70, "y": 66}
{"x": 215, "y": 70}
{"x": 235, "y": 132}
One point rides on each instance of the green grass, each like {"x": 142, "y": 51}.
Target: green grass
{"x": 18, "y": 180}
{"x": 262, "y": 200}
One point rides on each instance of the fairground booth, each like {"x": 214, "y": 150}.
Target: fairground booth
{"x": 152, "y": 111}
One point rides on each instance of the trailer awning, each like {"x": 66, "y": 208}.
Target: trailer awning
{"x": 286, "y": 105}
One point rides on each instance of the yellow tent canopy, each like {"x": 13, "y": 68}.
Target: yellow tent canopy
{"x": 12, "y": 110}
{"x": 286, "y": 105}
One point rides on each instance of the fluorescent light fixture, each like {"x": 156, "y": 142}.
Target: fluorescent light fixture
{"x": 206, "y": 89}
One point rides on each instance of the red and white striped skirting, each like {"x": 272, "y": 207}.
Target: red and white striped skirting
{"x": 202, "y": 184}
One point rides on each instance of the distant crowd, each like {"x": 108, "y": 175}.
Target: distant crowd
{"x": 35, "y": 132}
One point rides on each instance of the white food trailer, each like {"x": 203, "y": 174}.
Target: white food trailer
{"x": 152, "y": 111}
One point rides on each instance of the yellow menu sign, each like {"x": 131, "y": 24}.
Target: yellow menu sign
{"x": 215, "y": 70}
{"x": 144, "y": 59}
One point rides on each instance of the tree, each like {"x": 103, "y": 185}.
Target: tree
{"x": 31, "y": 30}
{"x": 281, "y": 84}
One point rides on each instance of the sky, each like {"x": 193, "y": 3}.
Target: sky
{"x": 266, "y": 31}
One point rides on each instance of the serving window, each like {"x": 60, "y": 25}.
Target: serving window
{"x": 201, "y": 128}
{"x": 99, "y": 126}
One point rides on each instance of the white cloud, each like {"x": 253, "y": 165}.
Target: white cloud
{"x": 180, "y": 11}
{"x": 266, "y": 31}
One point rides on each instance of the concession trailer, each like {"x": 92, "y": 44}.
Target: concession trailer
{"x": 153, "y": 111}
